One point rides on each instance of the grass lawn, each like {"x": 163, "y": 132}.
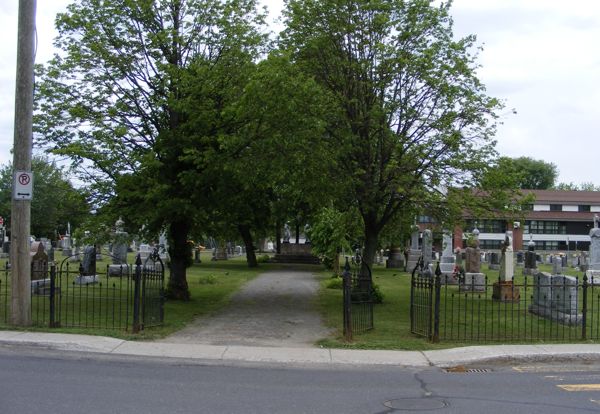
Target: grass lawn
{"x": 212, "y": 284}
{"x": 392, "y": 318}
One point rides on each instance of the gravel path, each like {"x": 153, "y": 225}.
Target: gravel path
{"x": 274, "y": 309}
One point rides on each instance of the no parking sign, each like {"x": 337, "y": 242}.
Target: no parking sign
{"x": 23, "y": 185}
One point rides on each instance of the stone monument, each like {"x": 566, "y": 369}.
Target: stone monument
{"x": 494, "y": 261}
{"x": 414, "y": 253}
{"x": 504, "y": 289}
{"x": 66, "y": 242}
{"x": 40, "y": 282}
{"x": 427, "y": 251}
{"x": 395, "y": 259}
{"x": 593, "y": 261}
{"x": 530, "y": 267}
{"x": 87, "y": 269}
{"x": 474, "y": 280}
{"x": 119, "y": 265}
{"x": 447, "y": 262}
{"x": 555, "y": 298}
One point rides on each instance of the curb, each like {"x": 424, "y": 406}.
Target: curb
{"x": 305, "y": 356}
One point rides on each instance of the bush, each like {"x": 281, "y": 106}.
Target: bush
{"x": 376, "y": 294}
{"x": 264, "y": 258}
{"x": 335, "y": 282}
{"x": 208, "y": 280}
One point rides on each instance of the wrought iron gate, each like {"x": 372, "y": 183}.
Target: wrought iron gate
{"x": 424, "y": 302}
{"x": 358, "y": 299}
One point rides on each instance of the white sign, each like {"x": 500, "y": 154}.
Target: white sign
{"x": 23, "y": 185}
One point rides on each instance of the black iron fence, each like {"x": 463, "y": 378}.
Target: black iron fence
{"x": 357, "y": 299}
{"x": 113, "y": 297}
{"x": 530, "y": 309}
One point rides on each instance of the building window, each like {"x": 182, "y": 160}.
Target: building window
{"x": 584, "y": 208}
{"x": 544, "y": 227}
{"x": 555, "y": 207}
{"x": 546, "y": 245}
{"x": 486, "y": 226}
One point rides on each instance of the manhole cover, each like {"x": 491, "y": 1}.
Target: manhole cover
{"x": 416, "y": 404}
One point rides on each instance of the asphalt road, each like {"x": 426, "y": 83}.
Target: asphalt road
{"x": 39, "y": 381}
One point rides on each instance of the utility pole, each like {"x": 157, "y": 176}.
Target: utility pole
{"x": 23, "y": 140}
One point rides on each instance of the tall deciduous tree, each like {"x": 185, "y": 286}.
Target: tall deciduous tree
{"x": 411, "y": 117}
{"x": 530, "y": 174}
{"x": 113, "y": 101}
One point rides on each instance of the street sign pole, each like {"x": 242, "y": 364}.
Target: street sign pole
{"x": 21, "y": 207}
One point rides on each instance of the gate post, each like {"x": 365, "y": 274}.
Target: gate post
{"x": 52, "y": 323}
{"x": 136, "y": 294}
{"x": 436, "y": 304}
{"x": 347, "y": 301}
{"x": 584, "y": 306}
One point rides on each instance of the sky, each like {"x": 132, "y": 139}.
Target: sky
{"x": 540, "y": 57}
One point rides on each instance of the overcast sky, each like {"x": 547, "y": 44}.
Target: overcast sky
{"x": 542, "y": 57}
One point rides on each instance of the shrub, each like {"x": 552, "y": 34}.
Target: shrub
{"x": 335, "y": 282}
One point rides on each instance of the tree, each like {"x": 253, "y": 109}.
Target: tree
{"x": 55, "y": 202}
{"x": 586, "y": 186}
{"x": 409, "y": 116}
{"x": 114, "y": 101}
{"x": 530, "y": 174}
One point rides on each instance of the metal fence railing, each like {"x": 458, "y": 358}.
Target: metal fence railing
{"x": 114, "y": 297}
{"x": 536, "y": 308}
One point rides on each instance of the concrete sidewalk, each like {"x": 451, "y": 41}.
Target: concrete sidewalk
{"x": 232, "y": 354}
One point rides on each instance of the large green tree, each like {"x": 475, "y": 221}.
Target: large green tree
{"x": 410, "y": 117}
{"x": 55, "y": 202}
{"x": 113, "y": 100}
{"x": 530, "y": 174}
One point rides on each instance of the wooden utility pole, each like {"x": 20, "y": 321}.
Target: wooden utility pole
{"x": 21, "y": 208}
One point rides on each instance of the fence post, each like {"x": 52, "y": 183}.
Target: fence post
{"x": 436, "y": 304}
{"x": 584, "y": 308}
{"x": 52, "y": 296}
{"x": 136, "y": 294}
{"x": 347, "y": 284}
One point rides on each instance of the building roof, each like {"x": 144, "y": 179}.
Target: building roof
{"x": 565, "y": 197}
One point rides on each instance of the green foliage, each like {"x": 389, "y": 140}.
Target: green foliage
{"x": 586, "y": 186}
{"x": 264, "y": 258}
{"x": 335, "y": 282}
{"x": 332, "y": 231}
{"x": 408, "y": 115}
{"x": 55, "y": 203}
{"x": 529, "y": 174}
{"x": 377, "y": 294}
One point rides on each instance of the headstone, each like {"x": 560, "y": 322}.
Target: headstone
{"x": 555, "y": 298}
{"x": 494, "y": 261}
{"x": 447, "y": 261}
{"x": 144, "y": 250}
{"x": 474, "y": 280}
{"x": 557, "y": 265}
{"x": 504, "y": 289}
{"x": 395, "y": 259}
{"x": 119, "y": 251}
{"x": 163, "y": 247}
{"x": 87, "y": 269}
{"x": 530, "y": 267}
{"x": 427, "y": 250}
{"x": 286, "y": 233}
{"x": 39, "y": 261}
{"x": 520, "y": 259}
{"x": 40, "y": 282}
{"x": 66, "y": 242}
{"x": 414, "y": 253}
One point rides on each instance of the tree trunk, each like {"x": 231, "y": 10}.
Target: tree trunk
{"x": 248, "y": 242}
{"x": 297, "y": 233}
{"x": 278, "y": 238}
{"x": 181, "y": 258}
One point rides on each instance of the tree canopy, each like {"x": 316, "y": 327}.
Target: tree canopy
{"x": 409, "y": 116}
{"x": 530, "y": 174}
{"x": 113, "y": 100}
